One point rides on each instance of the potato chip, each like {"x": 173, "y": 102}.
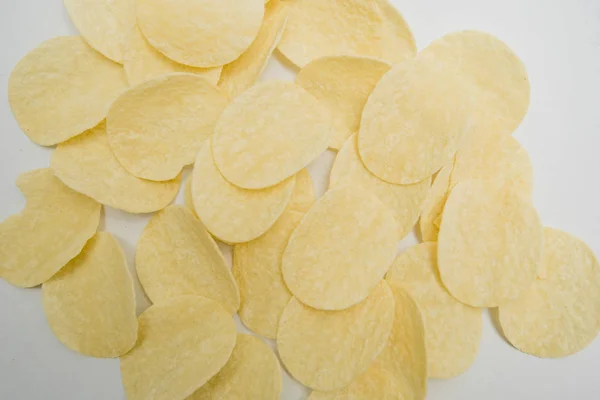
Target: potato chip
{"x": 434, "y": 205}
{"x": 398, "y": 43}
{"x": 252, "y": 372}
{"x": 560, "y": 315}
{"x": 327, "y": 350}
{"x": 490, "y": 244}
{"x": 405, "y": 201}
{"x": 201, "y": 33}
{"x": 182, "y": 344}
{"x": 414, "y": 121}
{"x": 144, "y": 63}
{"x": 188, "y": 200}
{"x": 343, "y": 83}
{"x": 303, "y": 196}
{"x": 231, "y": 214}
{"x": 50, "y": 231}
{"x": 87, "y": 165}
{"x": 340, "y": 250}
{"x": 104, "y": 24}
{"x": 156, "y": 128}
{"x": 90, "y": 303}
{"x": 63, "y": 88}
{"x": 269, "y": 133}
{"x": 453, "y": 329}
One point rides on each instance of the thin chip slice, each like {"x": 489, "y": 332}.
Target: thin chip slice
{"x": 188, "y": 200}
{"x": 90, "y": 303}
{"x": 343, "y": 83}
{"x": 200, "y": 33}
{"x": 63, "y": 88}
{"x": 87, "y": 165}
{"x": 453, "y": 328}
{"x": 490, "y": 244}
{"x": 327, "y": 350}
{"x": 269, "y": 133}
{"x": 252, "y": 372}
{"x": 182, "y": 344}
{"x": 231, "y": 214}
{"x": 52, "y": 229}
{"x": 434, "y": 205}
{"x": 303, "y": 196}
{"x": 405, "y": 201}
{"x": 560, "y": 315}
{"x": 397, "y": 41}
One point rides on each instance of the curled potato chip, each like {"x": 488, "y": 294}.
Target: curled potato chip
{"x": 327, "y": 350}
{"x": 252, "y": 372}
{"x": 90, "y": 303}
{"x": 303, "y": 196}
{"x": 405, "y": 201}
{"x": 398, "y": 43}
{"x": 201, "y": 33}
{"x": 62, "y": 88}
{"x": 87, "y": 165}
{"x": 231, "y": 214}
{"x": 182, "y": 344}
{"x": 176, "y": 256}
{"x": 327, "y": 273}
{"x": 489, "y": 245}
{"x": 560, "y": 315}
{"x": 343, "y": 83}
{"x": 156, "y": 128}
{"x": 52, "y": 229}
{"x": 434, "y": 205}
{"x": 269, "y": 133}
{"x": 453, "y": 328}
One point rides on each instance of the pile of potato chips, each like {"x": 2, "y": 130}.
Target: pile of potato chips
{"x": 153, "y": 86}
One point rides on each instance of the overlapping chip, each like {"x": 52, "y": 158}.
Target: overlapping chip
{"x": 303, "y": 196}
{"x": 433, "y": 206}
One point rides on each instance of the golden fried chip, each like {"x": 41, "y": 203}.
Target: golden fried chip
{"x": 52, "y": 229}
{"x": 303, "y": 196}
{"x": 397, "y": 41}
{"x": 90, "y": 303}
{"x": 433, "y": 206}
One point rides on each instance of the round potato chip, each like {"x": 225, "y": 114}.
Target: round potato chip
{"x": 560, "y": 315}
{"x": 303, "y": 196}
{"x": 453, "y": 328}
{"x": 52, "y": 229}
{"x": 405, "y": 201}
{"x": 343, "y": 83}
{"x": 176, "y": 256}
{"x": 397, "y": 41}
{"x": 327, "y": 350}
{"x": 200, "y": 33}
{"x": 63, "y": 88}
{"x": 269, "y": 133}
{"x": 182, "y": 344}
{"x": 433, "y": 206}
{"x": 156, "y": 128}
{"x": 90, "y": 303}
{"x": 252, "y": 372}
{"x": 87, "y": 165}
{"x": 231, "y": 214}
{"x": 490, "y": 244}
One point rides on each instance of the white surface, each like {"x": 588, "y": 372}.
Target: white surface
{"x": 559, "y": 41}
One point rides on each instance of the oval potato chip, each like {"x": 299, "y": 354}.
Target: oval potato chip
{"x": 398, "y": 43}
{"x": 90, "y": 303}
{"x": 303, "y": 196}
{"x": 63, "y": 88}
{"x": 434, "y": 205}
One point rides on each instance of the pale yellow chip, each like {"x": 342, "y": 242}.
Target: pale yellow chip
{"x": 489, "y": 245}
{"x": 104, "y": 24}
{"x": 90, "y": 303}
{"x": 303, "y": 196}
{"x": 397, "y": 41}
{"x": 176, "y": 256}
{"x": 188, "y": 200}
{"x": 269, "y": 133}
{"x": 433, "y": 206}
{"x": 143, "y": 62}
{"x": 560, "y": 315}
{"x": 257, "y": 271}
{"x": 200, "y": 33}
{"x": 252, "y": 372}
{"x": 243, "y": 72}
{"x": 231, "y": 214}
{"x": 327, "y": 350}
{"x": 50, "y": 231}
{"x": 414, "y": 121}
{"x": 405, "y": 201}
{"x": 87, "y": 165}
{"x": 62, "y": 88}
{"x": 182, "y": 344}
{"x": 453, "y": 328}
{"x": 343, "y": 83}
{"x": 156, "y": 128}
{"x": 341, "y": 249}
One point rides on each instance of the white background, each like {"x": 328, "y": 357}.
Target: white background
{"x": 559, "y": 41}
